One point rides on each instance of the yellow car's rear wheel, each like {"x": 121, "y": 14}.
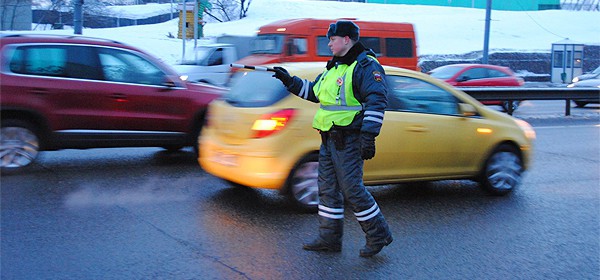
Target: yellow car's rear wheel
{"x": 301, "y": 185}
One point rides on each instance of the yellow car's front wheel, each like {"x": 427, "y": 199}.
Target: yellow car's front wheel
{"x": 503, "y": 170}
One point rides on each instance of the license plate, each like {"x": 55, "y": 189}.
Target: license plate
{"x": 225, "y": 159}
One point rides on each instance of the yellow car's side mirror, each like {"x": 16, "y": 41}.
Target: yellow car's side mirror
{"x": 467, "y": 110}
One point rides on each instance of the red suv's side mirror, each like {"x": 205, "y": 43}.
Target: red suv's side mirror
{"x": 463, "y": 79}
{"x": 170, "y": 83}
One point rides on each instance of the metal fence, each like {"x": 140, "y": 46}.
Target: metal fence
{"x": 521, "y": 93}
{"x": 580, "y": 5}
{"x": 57, "y": 19}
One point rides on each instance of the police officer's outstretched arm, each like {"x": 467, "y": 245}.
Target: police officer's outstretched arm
{"x": 300, "y": 87}
{"x": 373, "y": 91}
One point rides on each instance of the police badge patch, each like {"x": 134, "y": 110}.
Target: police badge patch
{"x": 377, "y": 76}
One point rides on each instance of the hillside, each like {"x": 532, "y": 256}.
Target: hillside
{"x": 443, "y": 33}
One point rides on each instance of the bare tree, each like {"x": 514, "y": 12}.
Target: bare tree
{"x": 65, "y": 8}
{"x": 244, "y": 8}
{"x": 92, "y": 7}
{"x": 226, "y": 10}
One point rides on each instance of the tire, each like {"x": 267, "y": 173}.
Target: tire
{"x": 513, "y": 104}
{"x": 580, "y": 104}
{"x": 19, "y": 145}
{"x": 301, "y": 186}
{"x": 502, "y": 172}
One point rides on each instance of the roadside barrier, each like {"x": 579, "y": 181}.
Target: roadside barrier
{"x": 520, "y": 93}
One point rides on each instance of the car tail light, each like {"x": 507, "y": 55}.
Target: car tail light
{"x": 270, "y": 123}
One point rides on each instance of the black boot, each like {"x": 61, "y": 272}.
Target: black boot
{"x": 372, "y": 249}
{"x": 330, "y": 236}
{"x": 321, "y": 245}
{"x": 378, "y": 235}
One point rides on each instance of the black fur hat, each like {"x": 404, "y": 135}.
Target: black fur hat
{"x": 344, "y": 28}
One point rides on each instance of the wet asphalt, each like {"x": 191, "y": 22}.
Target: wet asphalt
{"x": 146, "y": 213}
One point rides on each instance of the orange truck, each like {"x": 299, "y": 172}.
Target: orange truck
{"x": 301, "y": 40}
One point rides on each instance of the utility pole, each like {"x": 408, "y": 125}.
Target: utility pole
{"x": 78, "y": 17}
{"x": 486, "y": 37}
{"x": 195, "y": 24}
{"x": 183, "y": 23}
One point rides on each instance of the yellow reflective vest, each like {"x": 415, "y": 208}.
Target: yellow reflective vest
{"x": 335, "y": 93}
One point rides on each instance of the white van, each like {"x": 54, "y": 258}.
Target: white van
{"x": 208, "y": 64}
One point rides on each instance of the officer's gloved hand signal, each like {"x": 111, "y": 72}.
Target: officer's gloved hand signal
{"x": 283, "y": 75}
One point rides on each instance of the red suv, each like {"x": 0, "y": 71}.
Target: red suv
{"x": 78, "y": 92}
{"x": 479, "y": 75}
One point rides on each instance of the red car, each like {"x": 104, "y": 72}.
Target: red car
{"x": 78, "y": 92}
{"x": 479, "y": 75}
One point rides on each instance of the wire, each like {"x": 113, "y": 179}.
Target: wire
{"x": 545, "y": 29}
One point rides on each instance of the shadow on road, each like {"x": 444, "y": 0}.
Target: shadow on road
{"x": 255, "y": 201}
{"x": 265, "y": 202}
{"x": 98, "y": 160}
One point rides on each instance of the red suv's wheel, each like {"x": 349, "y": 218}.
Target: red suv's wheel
{"x": 19, "y": 144}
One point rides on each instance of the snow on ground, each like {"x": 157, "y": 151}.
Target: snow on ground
{"x": 440, "y": 30}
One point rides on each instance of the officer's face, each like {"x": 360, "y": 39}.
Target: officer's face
{"x": 339, "y": 46}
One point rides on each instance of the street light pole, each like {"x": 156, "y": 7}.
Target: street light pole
{"x": 486, "y": 37}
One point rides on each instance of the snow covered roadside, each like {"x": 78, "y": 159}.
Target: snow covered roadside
{"x": 443, "y": 33}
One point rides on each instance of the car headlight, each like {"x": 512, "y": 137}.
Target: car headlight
{"x": 527, "y": 129}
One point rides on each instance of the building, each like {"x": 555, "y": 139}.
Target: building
{"x": 520, "y": 5}
{"x": 15, "y": 15}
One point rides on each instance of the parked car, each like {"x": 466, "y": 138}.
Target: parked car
{"x": 587, "y": 83}
{"x": 259, "y": 135}
{"x": 587, "y": 76}
{"x": 480, "y": 75}
{"x": 78, "y": 92}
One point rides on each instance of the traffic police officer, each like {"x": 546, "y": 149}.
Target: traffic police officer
{"x": 352, "y": 96}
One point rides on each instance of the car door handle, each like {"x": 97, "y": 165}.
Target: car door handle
{"x": 38, "y": 91}
{"x": 417, "y": 128}
{"x": 119, "y": 97}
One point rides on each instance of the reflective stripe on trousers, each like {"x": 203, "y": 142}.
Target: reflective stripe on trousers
{"x": 340, "y": 178}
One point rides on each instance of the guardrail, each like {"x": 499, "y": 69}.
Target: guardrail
{"x": 522, "y": 93}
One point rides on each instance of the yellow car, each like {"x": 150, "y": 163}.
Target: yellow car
{"x": 259, "y": 135}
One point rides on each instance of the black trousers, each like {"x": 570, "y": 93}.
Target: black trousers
{"x": 341, "y": 182}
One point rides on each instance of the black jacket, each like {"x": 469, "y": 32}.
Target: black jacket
{"x": 369, "y": 87}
